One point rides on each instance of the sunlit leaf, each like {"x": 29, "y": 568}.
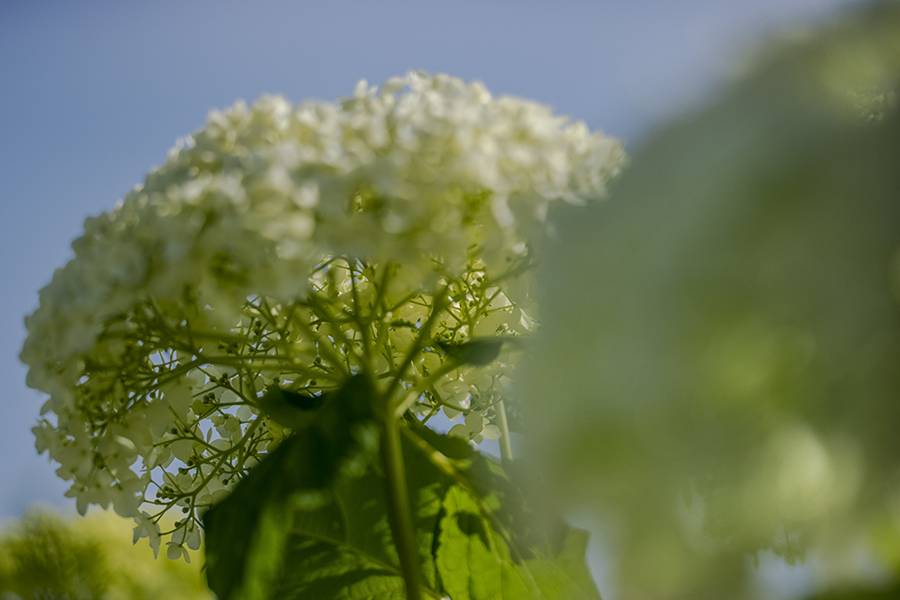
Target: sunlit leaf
{"x": 290, "y": 531}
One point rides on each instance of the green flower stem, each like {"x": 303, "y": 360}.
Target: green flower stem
{"x": 361, "y": 322}
{"x": 505, "y": 442}
{"x": 438, "y": 303}
{"x": 225, "y": 454}
{"x": 325, "y": 347}
{"x": 398, "y": 502}
{"x": 406, "y": 401}
{"x": 314, "y": 302}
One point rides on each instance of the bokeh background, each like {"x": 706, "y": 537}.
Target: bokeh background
{"x": 93, "y": 94}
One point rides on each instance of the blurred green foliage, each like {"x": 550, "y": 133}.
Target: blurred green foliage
{"x": 44, "y": 556}
{"x": 726, "y": 380}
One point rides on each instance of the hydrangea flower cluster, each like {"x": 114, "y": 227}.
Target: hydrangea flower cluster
{"x": 294, "y": 246}
{"x": 732, "y": 352}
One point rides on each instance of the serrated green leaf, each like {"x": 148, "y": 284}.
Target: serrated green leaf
{"x": 295, "y": 530}
{"x": 496, "y": 541}
{"x": 471, "y": 557}
{"x": 475, "y": 562}
{"x": 345, "y": 550}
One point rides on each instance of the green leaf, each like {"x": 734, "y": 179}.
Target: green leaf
{"x": 496, "y": 539}
{"x": 345, "y": 550}
{"x": 246, "y": 533}
{"x": 477, "y": 352}
{"x": 475, "y": 562}
{"x": 295, "y": 530}
{"x": 566, "y": 575}
{"x": 289, "y": 408}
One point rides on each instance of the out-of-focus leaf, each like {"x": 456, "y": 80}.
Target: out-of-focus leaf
{"x": 736, "y": 326}
{"x": 44, "y": 555}
{"x": 876, "y": 594}
{"x": 45, "y": 558}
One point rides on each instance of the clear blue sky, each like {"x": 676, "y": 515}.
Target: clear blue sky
{"x": 92, "y": 94}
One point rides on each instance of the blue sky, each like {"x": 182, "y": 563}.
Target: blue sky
{"x": 92, "y": 94}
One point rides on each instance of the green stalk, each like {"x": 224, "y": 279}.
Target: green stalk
{"x": 505, "y": 443}
{"x": 400, "y": 516}
{"x": 437, "y": 306}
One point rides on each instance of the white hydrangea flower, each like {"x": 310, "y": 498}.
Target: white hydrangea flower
{"x": 296, "y": 245}
{"x": 147, "y": 527}
{"x": 725, "y": 380}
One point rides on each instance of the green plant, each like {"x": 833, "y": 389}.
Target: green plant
{"x": 277, "y": 313}
{"x": 44, "y": 556}
{"x": 259, "y": 336}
